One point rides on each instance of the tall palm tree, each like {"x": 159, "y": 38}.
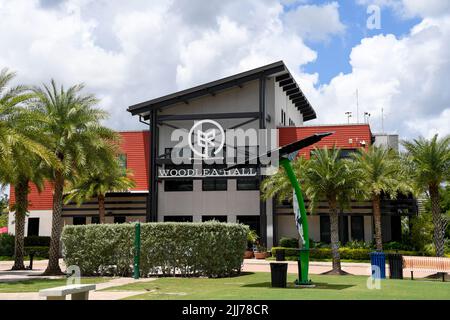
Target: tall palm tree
{"x": 381, "y": 174}
{"x": 22, "y": 150}
{"x": 324, "y": 177}
{"x": 96, "y": 183}
{"x": 429, "y": 164}
{"x": 73, "y": 126}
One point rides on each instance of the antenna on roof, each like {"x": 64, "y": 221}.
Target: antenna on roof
{"x": 382, "y": 120}
{"x": 349, "y": 115}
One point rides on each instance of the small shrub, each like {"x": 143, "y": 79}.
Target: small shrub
{"x": 38, "y": 251}
{"x": 289, "y": 242}
{"x": 355, "y": 244}
{"x": 37, "y": 241}
{"x": 6, "y": 244}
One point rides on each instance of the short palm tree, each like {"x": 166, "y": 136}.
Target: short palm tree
{"x": 336, "y": 180}
{"x": 381, "y": 174}
{"x": 96, "y": 183}
{"x": 429, "y": 164}
{"x": 22, "y": 150}
{"x": 75, "y": 133}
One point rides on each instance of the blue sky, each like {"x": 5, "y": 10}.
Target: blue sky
{"x": 131, "y": 51}
{"x": 333, "y": 55}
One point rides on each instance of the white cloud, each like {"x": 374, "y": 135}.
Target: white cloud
{"x": 128, "y": 53}
{"x": 316, "y": 22}
{"x": 408, "y": 77}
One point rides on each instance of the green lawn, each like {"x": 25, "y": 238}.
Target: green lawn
{"x": 35, "y": 285}
{"x": 257, "y": 286}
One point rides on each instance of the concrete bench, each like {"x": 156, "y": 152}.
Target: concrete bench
{"x": 427, "y": 264}
{"x": 78, "y": 292}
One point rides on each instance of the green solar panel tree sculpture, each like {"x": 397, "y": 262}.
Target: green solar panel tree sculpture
{"x": 286, "y": 155}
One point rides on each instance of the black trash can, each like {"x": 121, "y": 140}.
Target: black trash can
{"x": 278, "y": 273}
{"x": 378, "y": 262}
{"x": 280, "y": 254}
{"x": 395, "y": 266}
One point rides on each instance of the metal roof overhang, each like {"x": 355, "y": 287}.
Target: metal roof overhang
{"x": 277, "y": 69}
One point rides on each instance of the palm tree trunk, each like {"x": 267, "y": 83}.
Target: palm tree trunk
{"x": 53, "y": 262}
{"x": 334, "y": 233}
{"x": 377, "y": 221}
{"x": 21, "y": 191}
{"x": 438, "y": 221}
{"x": 101, "y": 208}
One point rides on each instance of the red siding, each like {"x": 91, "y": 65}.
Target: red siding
{"x": 341, "y": 137}
{"x": 134, "y": 144}
{"x": 136, "y": 147}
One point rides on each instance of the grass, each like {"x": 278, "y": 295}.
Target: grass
{"x": 35, "y": 285}
{"x": 256, "y": 286}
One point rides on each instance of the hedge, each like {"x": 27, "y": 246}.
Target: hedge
{"x": 37, "y": 244}
{"x": 345, "y": 253}
{"x": 209, "y": 249}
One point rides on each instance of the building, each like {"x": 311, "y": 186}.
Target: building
{"x": 263, "y": 98}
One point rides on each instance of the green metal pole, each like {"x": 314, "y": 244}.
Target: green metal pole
{"x": 137, "y": 250}
{"x": 304, "y": 252}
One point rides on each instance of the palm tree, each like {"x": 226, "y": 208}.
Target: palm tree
{"x": 429, "y": 164}
{"x": 324, "y": 177}
{"x": 337, "y": 180}
{"x": 22, "y": 150}
{"x": 76, "y": 135}
{"x": 381, "y": 174}
{"x": 96, "y": 183}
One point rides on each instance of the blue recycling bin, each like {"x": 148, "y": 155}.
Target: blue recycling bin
{"x": 378, "y": 262}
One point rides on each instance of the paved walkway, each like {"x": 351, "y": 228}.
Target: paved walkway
{"x": 6, "y": 275}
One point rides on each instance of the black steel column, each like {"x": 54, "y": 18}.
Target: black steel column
{"x": 152, "y": 203}
{"x": 262, "y": 125}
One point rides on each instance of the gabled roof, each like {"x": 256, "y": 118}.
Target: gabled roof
{"x": 277, "y": 69}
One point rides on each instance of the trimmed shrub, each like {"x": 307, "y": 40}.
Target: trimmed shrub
{"x": 6, "y": 244}
{"x": 209, "y": 249}
{"x": 345, "y": 253}
{"x": 289, "y": 242}
{"x": 37, "y": 241}
{"x": 39, "y": 251}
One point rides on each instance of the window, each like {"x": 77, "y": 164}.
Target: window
{"x": 216, "y": 218}
{"x": 343, "y": 229}
{"x": 178, "y": 184}
{"x": 177, "y": 218}
{"x": 119, "y": 219}
{"x": 357, "y": 228}
{"x": 122, "y": 161}
{"x": 248, "y": 183}
{"x": 214, "y": 184}
{"x": 283, "y": 117}
{"x": 78, "y": 221}
{"x": 251, "y": 221}
{"x": 325, "y": 234}
{"x": 33, "y": 227}
{"x": 95, "y": 220}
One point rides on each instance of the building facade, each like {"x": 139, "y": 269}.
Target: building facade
{"x": 263, "y": 98}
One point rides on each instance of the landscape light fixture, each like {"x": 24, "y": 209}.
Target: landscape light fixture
{"x": 286, "y": 155}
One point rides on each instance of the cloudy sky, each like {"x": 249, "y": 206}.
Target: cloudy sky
{"x": 131, "y": 51}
